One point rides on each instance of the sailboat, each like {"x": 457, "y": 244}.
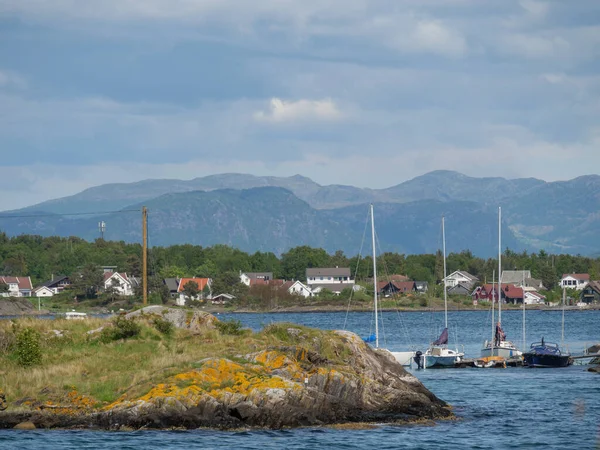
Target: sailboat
{"x": 549, "y": 354}
{"x": 438, "y": 354}
{"x": 404, "y": 358}
{"x": 498, "y": 346}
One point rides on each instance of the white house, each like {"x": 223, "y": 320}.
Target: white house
{"x": 460, "y": 277}
{"x": 204, "y": 284}
{"x": 43, "y": 291}
{"x": 17, "y": 286}
{"x": 118, "y": 281}
{"x": 534, "y": 298}
{"x": 329, "y": 276}
{"x": 248, "y": 277}
{"x": 574, "y": 281}
{"x": 297, "y": 288}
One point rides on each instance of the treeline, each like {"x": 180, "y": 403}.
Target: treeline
{"x": 42, "y": 257}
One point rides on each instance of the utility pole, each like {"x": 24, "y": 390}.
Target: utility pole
{"x": 145, "y": 254}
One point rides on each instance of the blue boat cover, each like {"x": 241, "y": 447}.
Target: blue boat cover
{"x": 371, "y": 338}
{"x": 443, "y": 339}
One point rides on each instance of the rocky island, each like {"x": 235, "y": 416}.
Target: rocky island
{"x": 170, "y": 368}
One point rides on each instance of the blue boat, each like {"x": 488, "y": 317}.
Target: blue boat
{"x": 546, "y": 354}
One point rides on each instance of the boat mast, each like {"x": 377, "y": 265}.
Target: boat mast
{"x": 499, "y": 264}
{"x": 493, "y": 312}
{"x": 445, "y": 294}
{"x": 562, "y": 336}
{"x": 374, "y": 278}
{"x": 145, "y": 255}
{"x": 523, "y": 294}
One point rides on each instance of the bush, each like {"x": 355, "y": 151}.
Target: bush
{"x": 163, "y": 325}
{"x": 122, "y": 328}
{"x": 233, "y": 327}
{"x": 28, "y": 347}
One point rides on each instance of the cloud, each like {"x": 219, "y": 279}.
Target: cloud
{"x": 435, "y": 37}
{"x": 11, "y": 79}
{"x": 281, "y": 111}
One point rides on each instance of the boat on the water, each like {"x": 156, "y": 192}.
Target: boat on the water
{"x": 546, "y": 354}
{"x": 73, "y": 315}
{"x": 438, "y": 355}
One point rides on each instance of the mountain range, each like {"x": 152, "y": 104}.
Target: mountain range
{"x": 256, "y": 213}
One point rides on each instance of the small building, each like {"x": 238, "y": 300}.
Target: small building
{"x": 516, "y": 277}
{"x": 512, "y": 294}
{"x": 391, "y": 288}
{"x": 57, "y": 284}
{"x": 222, "y": 299}
{"x": 422, "y": 287}
{"x": 591, "y": 293}
{"x": 43, "y": 291}
{"x": 172, "y": 285}
{"x": 202, "y": 283}
{"x": 534, "y": 298}
{"x": 119, "y": 282}
{"x": 297, "y": 288}
{"x": 248, "y": 277}
{"x": 574, "y": 281}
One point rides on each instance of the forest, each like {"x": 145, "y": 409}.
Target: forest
{"x": 41, "y": 258}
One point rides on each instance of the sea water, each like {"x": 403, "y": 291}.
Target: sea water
{"x": 495, "y": 408}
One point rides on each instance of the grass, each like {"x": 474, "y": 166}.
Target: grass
{"x": 101, "y": 373}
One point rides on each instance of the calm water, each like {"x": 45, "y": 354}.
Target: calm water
{"x": 497, "y": 408}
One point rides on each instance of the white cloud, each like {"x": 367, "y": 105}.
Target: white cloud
{"x": 532, "y": 46}
{"x": 554, "y": 78}
{"x": 11, "y": 79}
{"x": 535, "y": 8}
{"x": 281, "y": 111}
{"x": 433, "y": 36}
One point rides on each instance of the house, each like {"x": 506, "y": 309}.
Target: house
{"x": 297, "y": 288}
{"x": 247, "y": 277}
{"x": 57, "y": 284}
{"x": 422, "y": 287}
{"x": 390, "y": 288}
{"x": 202, "y": 283}
{"x": 316, "y": 277}
{"x": 17, "y": 286}
{"x": 486, "y": 292}
{"x": 222, "y": 299}
{"x": 43, "y": 291}
{"x": 119, "y": 282}
{"x": 574, "y": 281}
{"x": 460, "y": 289}
{"x": 512, "y": 294}
{"x": 534, "y": 298}
{"x": 263, "y": 282}
{"x": 591, "y": 293}
{"x": 462, "y": 277}
{"x": 172, "y": 285}
{"x": 516, "y": 277}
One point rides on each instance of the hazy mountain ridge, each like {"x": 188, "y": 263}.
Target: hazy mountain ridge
{"x": 275, "y": 214}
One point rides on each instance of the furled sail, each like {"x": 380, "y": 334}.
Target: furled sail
{"x": 443, "y": 339}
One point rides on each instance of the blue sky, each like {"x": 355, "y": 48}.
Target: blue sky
{"x": 363, "y": 92}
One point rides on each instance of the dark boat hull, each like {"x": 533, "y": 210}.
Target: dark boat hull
{"x": 536, "y": 360}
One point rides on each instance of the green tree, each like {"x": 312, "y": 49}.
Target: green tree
{"x": 191, "y": 290}
{"x": 88, "y": 282}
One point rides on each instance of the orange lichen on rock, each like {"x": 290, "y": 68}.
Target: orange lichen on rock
{"x": 219, "y": 377}
{"x": 73, "y": 403}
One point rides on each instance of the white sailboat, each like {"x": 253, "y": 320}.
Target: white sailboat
{"x": 498, "y": 346}
{"x": 404, "y": 358}
{"x": 438, "y": 354}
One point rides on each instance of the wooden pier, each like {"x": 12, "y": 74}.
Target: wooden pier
{"x": 470, "y": 362}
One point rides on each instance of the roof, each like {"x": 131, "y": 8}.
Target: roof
{"x": 259, "y": 275}
{"x": 201, "y": 282}
{"x": 515, "y": 276}
{"x": 577, "y": 276}
{"x": 512, "y": 291}
{"x": 595, "y": 285}
{"x": 42, "y": 287}
{"x": 224, "y": 295}
{"x": 55, "y": 281}
{"x": 108, "y": 275}
{"x": 172, "y": 284}
{"x": 328, "y": 272}
{"x": 402, "y": 286}
{"x": 24, "y": 283}
{"x": 463, "y": 274}
{"x": 262, "y": 282}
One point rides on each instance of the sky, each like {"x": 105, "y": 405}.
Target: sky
{"x": 368, "y": 93}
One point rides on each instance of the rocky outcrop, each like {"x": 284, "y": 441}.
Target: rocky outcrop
{"x": 274, "y": 387}
{"x": 16, "y": 307}
{"x": 194, "y": 320}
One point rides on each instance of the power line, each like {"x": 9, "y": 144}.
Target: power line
{"x": 23, "y": 216}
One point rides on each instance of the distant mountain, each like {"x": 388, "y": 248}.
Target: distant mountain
{"x": 277, "y": 213}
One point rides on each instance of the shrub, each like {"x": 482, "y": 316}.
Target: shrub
{"x": 163, "y": 325}
{"x": 233, "y": 327}
{"x": 122, "y": 328}
{"x": 28, "y": 347}
{"x": 7, "y": 341}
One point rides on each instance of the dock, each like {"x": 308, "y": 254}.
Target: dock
{"x": 470, "y": 362}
